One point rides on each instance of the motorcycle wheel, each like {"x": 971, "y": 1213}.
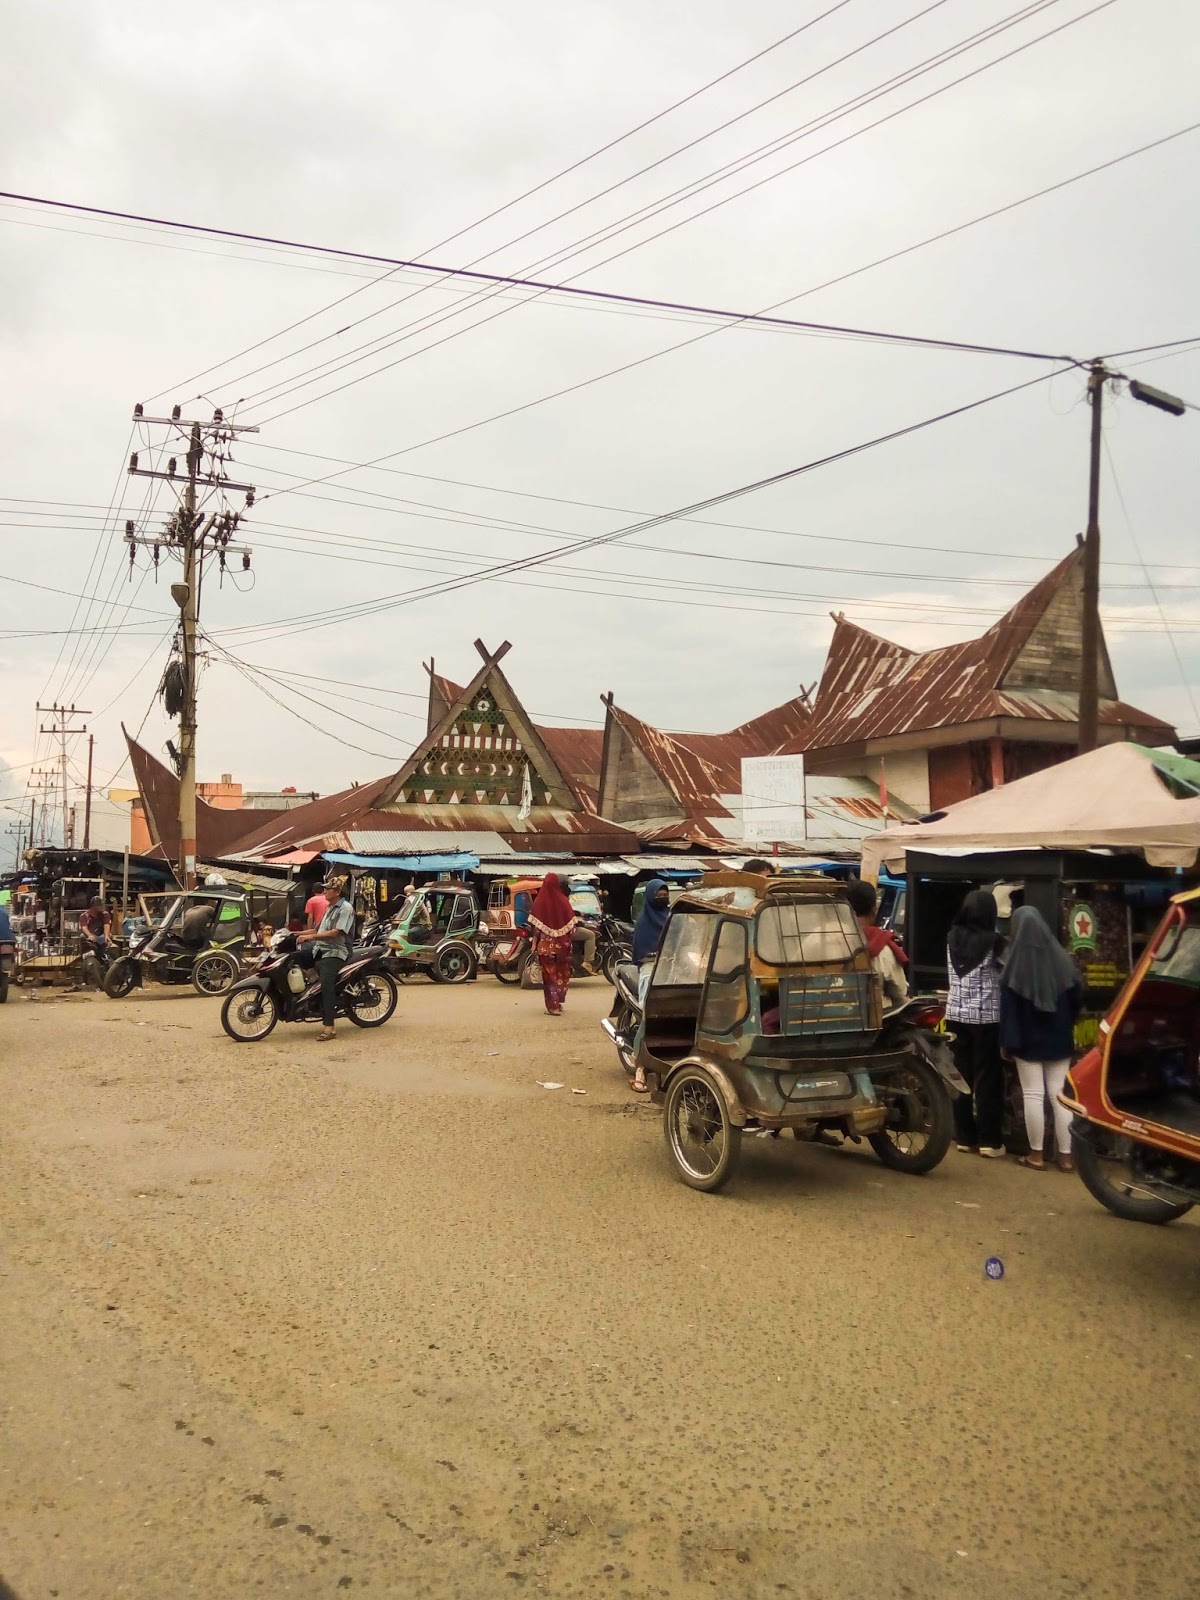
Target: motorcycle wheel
{"x": 249, "y": 1014}
{"x": 1102, "y": 1162}
{"x": 120, "y": 978}
{"x": 214, "y": 973}
{"x": 370, "y": 1002}
{"x": 453, "y": 964}
{"x": 920, "y": 1121}
{"x": 613, "y": 958}
{"x": 703, "y": 1142}
{"x": 506, "y": 971}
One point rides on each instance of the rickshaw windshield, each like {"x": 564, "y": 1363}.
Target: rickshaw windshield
{"x": 1181, "y": 961}
{"x": 803, "y": 932}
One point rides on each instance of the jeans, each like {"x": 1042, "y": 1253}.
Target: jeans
{"x": 978, "y": 1117}
{"x": 328, "y": 967}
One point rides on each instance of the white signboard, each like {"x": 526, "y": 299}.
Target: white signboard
{"x": 773, "y": 798}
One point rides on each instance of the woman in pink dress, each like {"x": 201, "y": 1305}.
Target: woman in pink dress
{"x": 552, "y": 922}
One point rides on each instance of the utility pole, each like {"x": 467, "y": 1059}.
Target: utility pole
{"x": 193, "y": 536}
{"x": 63, "y": 715}
{"x": 42, "y": 781}
{"x": 87, "y": 806}
{"x": 1089, "y": 641}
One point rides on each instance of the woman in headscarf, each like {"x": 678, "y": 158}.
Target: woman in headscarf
{"x": 553, "y": 921}
{"x": 1039, "y": 1001}
{"x": 652, "y": 921}
{"x": 973, "y": 1012}
{"x": 648, "y": 933}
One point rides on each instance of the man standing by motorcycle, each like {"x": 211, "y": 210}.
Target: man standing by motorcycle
{"x": 94, "y": 924}
{"x": 331, "y": 943}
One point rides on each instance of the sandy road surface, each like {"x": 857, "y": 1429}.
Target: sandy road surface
{"x": 385, "y": 1316}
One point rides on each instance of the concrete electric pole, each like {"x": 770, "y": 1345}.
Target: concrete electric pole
{"x": 1089, "y": 641}
{"x": 63, "y": 715}
{"x": 195, "y": 536}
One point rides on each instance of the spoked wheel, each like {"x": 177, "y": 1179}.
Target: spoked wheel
{"x": 1104, "y": 1162}
{"x": 120, "y": 978}
{"x": 214, "y": 973}
{"x": 249, "y": 1014}
{"x": 920, "y": 1122}
{"x": 702, "y": 1140}
{"x": 506, "y": 971}
{"x": 454, "y": 963}
{"x": 370, "y": 1002}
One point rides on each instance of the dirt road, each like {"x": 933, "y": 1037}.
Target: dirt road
{"x": 383, "y": 1315}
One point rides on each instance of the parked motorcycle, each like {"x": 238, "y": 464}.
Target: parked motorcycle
{"x": 283, "y": 989}
{"x": 614, "y": 940}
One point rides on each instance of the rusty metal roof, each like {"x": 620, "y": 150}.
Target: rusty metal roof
{"x": 216, "y": 829}
{"x": 1024, "y": 667}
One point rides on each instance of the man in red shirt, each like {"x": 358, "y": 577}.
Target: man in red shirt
{"x": 315, "y": 908}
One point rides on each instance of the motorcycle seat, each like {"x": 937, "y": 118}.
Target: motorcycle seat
{"x": 626, "y": 977}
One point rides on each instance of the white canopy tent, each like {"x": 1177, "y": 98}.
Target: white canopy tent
{"x": 1121, "y": 797}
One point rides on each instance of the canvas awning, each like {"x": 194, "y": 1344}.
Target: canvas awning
{"x": 1121, "y": 797}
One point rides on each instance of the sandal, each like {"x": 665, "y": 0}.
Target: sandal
{"x": 639, "y": 1084}
{"x": 1034, "y": 1166}
{"x": 326, "y": 1033}
{"x": 1065, "y": 1163}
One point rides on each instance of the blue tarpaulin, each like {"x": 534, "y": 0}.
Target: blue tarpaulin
{"x": 459, "y": 861}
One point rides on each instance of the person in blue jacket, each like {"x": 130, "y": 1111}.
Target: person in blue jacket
{"x": 1039, "y": 1002}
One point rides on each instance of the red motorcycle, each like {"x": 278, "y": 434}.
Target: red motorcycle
{"x": 1136, "y": 1095}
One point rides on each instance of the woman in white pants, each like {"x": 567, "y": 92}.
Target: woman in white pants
{"x": 1039, "y": 1001}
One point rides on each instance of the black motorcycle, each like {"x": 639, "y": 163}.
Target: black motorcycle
{"x": 282, "y": 988}
{"x": 614, "y": 941}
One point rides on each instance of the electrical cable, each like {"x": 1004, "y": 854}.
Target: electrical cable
{"x": 563, "y": 172}
{"x": 688, "y": 192}
{"x": 329, "y": 618}
{"x": 1133, "y": 539}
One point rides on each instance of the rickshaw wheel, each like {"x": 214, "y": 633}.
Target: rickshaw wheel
{"x": 214, "y": 972}
{"x": 119, "y": 979}
{"x": 505, "y": 971}
{"x": 920, "y": 1122}
{"x": 702, "y": 1140}
{"x": 454, "y": 963}
{"x": 1107, "y": 1177}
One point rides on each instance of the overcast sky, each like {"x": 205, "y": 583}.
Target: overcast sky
{"x": 388, "y": 127}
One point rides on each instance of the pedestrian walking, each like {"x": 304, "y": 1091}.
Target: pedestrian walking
{"x": 553, "y": 921}
{"x": 1039, "y": 1001}
{"x": 973, "y": 956}
{"x": 331, "y": 944}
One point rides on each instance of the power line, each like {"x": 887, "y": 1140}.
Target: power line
{"x": 563, "y": 172}
{"x": 1133, "y": 539}
{"x": 688, "y": 191}
{"x": 501, "y": 569}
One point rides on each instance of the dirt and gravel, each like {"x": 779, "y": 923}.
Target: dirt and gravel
{"x": 385, "y": 1316}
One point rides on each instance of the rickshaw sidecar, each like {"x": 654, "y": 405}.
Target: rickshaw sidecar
{"x": 763, "y": 1012}
{"x": 1136, "y": 1094}
{"x": 436, "y": 931}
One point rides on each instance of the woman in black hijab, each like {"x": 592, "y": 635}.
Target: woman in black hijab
{"x": 1039, "y": 1001}
{"x": 973, "y": 1015}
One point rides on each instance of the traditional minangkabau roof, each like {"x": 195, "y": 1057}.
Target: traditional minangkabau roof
{"x": 1025, "y": 668}
{"x": 468, "y": 774}
{"x": 670, "y": 785}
